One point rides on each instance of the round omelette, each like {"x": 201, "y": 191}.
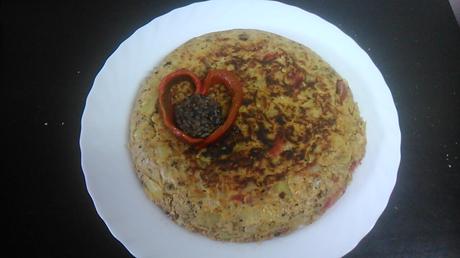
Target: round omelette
{"x": 289, "y": 155}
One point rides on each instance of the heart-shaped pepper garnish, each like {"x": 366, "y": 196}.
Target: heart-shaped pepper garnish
{"x": 226, "y": 78}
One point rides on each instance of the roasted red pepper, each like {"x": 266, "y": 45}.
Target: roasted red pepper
{"x": 278, "y": 145}
{"x": 341, "y": 89}
{"x": 232, "y": 83}
{"x": 166, "y": 109}
{"x": 228, "y": 79}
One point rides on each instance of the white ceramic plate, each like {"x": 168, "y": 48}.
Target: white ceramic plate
{"x": 140, "y": 226}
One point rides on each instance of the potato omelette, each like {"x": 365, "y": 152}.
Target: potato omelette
{"x": 288, "y": 156}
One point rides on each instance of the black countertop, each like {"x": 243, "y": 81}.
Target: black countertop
{"x": 51, "y": 54}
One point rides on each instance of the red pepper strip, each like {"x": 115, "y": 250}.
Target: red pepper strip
{"x": 278, "y": 145}
{"x": 332, "y": 199}
{"x": 232, "y": 82}
{"x": 237, "y": 197}
{"x": 354, "y": 165}
{"x": 271, "y": 56}
{"x": 166, "y": 109}
{"x": 341, "y": 89}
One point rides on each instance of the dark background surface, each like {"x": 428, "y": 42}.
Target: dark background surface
{"x": 51, "y": 53}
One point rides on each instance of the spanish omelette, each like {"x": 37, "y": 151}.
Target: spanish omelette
{"x": 289, "y": 155}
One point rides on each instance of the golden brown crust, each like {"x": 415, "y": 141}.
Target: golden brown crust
{"x": 287, "y": 158}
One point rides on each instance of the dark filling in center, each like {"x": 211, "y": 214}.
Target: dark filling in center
{"x": 198, "y": 115}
